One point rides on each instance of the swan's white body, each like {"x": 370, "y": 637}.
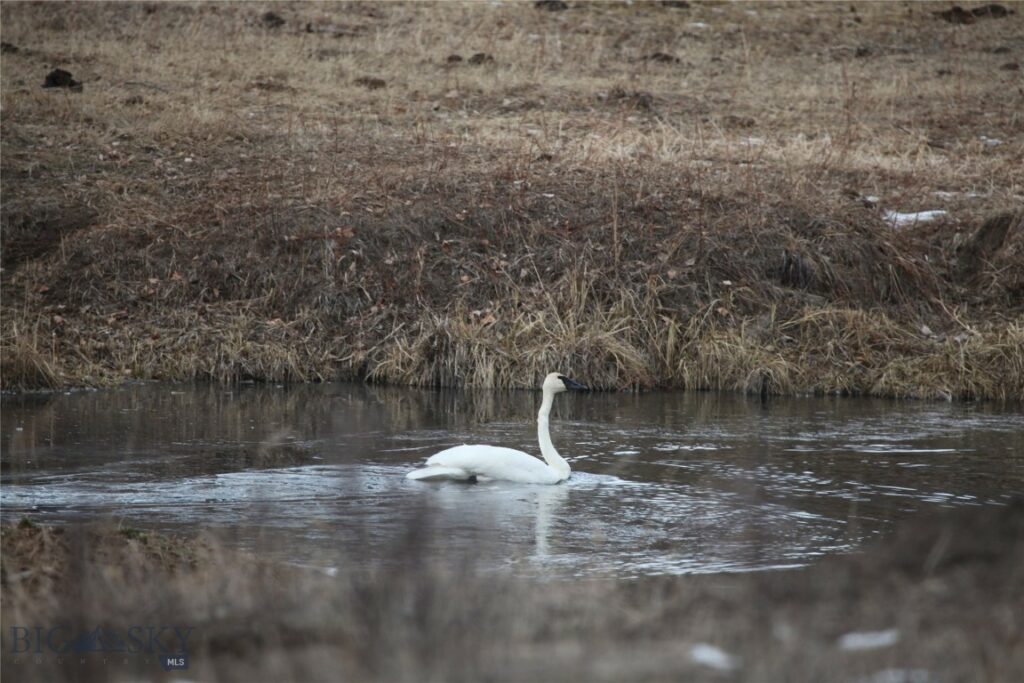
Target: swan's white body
{"x": 463, "y": 463}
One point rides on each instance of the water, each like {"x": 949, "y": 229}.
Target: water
{"x": 662, "y": 483}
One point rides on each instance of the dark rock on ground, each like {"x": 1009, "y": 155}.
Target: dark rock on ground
{"x": 370, "y": 82}
{"x": 958, "y": 15}
{"x": 661, "y": 57}
{"x": 59, "y": 78}
{"x": 272, "y": 20}
{"x": 994, "y": 11}
{"x": 551, "y": 5}
{"x": 481, "y": 58}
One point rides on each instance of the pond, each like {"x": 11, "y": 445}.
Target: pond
{"x": 663, "y": 483}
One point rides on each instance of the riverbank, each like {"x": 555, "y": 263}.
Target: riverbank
{"x": 710, "y": 197}
{"x": 938, "y": 600}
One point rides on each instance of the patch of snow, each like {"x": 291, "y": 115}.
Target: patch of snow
{"x": 712, "y": 657}
{"x": 869, "y": 640}
{"x": 698, "y": 24}
{"x": 942, "y": 194}
{"x": 899, "y": 220}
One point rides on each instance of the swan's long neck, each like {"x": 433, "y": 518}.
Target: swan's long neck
{"x": 547, "y": 449}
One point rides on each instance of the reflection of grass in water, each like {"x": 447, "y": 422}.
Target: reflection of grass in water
{"x": 950, "y": 586}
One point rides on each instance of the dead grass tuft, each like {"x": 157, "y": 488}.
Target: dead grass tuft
{"x": 25, "y": 367}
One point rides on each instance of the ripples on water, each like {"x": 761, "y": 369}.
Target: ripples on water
{"x": 662, "y": 483}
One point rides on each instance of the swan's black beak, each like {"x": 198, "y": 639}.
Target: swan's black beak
{"x": 573, "y": 385}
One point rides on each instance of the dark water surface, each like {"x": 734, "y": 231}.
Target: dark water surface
{"x": 662, "y": 483}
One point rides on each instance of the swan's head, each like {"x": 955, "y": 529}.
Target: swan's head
{"x": 556, "y": 383}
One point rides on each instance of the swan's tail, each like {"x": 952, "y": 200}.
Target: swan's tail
{"x": 437, "y": 472}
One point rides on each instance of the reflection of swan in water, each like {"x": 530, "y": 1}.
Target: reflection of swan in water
{"x": 468, "y": 463}
{"x": 505, "y": 513}
{"x": 549, "y": 500}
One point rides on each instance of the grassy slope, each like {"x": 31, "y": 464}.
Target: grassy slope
{"x": 225, "y": 200}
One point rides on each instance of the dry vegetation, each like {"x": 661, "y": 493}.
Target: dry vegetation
{"x": 952, "y": 586}
{"x": 643, "y": 195}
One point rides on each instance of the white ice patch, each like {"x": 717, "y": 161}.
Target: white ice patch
{"x": 712, "y": 657}
{"x": 869, "y": 640}
{"x": 901, "y": 220}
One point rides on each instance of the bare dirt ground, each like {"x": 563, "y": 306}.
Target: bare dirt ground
{"x": 941, "y": 600}
{"x": 641, "y": 194}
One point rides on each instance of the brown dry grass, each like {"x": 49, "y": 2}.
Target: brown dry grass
{"x": 226, "y": 200}
{"x": 951, "y": 585}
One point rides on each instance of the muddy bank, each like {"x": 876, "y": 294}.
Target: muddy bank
{"x": 779, "y": 221}
{"x": 941, "y": 597}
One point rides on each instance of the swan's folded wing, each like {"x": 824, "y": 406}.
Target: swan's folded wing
{"x": 438, "y": 472}
{"x": 494, "y": 462}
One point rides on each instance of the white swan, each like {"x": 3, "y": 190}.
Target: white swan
{"x": 464, "y": 463}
